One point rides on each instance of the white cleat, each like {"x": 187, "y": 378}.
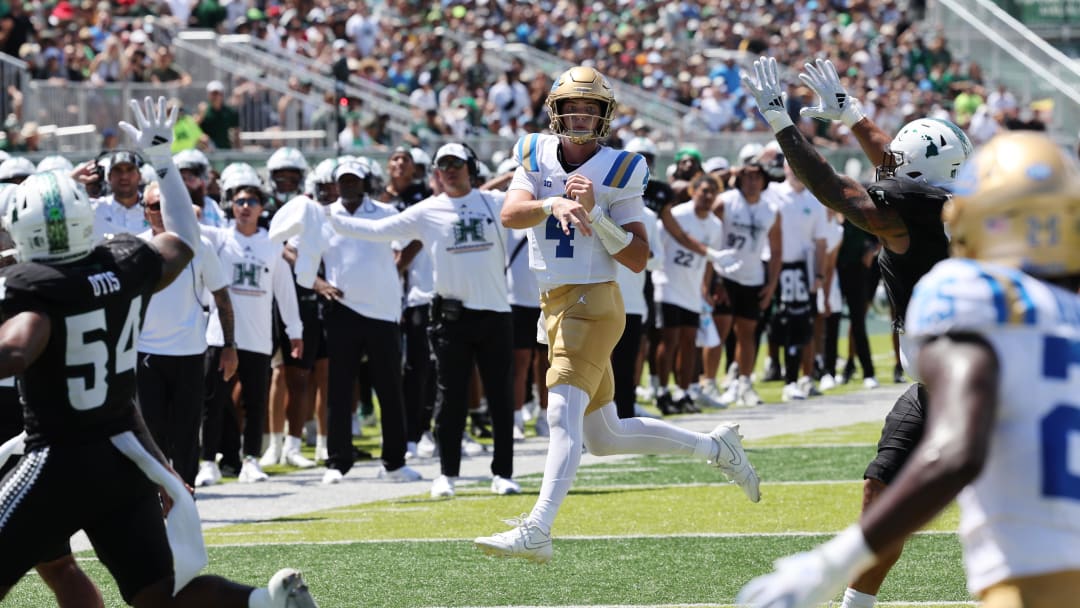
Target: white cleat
{"x": 730, "y": 395}
{"x": 639, "y": 412}
{"x": 288, "y": 590}
{"x": 806, "y": 385}
{"x": 792, "y": 392}
{"x": 526, "y": 540}
{"x": 519, "y": 434}
{"x": 209, "y": 474}
{"x": 296, "y": 459}
{"x": 272, "y": 455}
{"x": 504, "y": 486}
{"x": 402, "y": 475}
{"x": 332, "y": 477}
{"x": 870, "y": 382}
{"x": 827, "y": 383}
{"x": 442, "y": 487}
{"x": 426, "y": 447}
{"x": 470, "y": 447}
{"x": 733, "y": 462}
{"x": 747, "y": 395}
{"x": 250, "y": 472}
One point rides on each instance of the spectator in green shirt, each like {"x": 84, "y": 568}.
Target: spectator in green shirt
{"x": 220, "y": 122}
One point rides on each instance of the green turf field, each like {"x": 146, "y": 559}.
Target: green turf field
{"x": 644, "y": 531}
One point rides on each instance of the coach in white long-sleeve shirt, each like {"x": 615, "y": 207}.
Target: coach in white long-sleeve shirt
{"x": 257, "y": 275}
{"x": 172, "y": 346}
{"x": 362, "y": 320}
{"x": 471, "y": 319}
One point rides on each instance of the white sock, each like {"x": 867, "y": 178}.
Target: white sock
{"x": 711, "y": 382}
{"x": 654, "y": 381}
{"x": 320, "y": 442}
{"x": 566, "y": 411}
{"x": 260, "y": 598}
{"x": 606, "y": 434}
{"x": 292, "y": 444}
{"x": 857, "y": 599}
{"x": 270, "y": 439}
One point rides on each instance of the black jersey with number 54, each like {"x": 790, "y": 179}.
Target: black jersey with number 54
{"x": 82, "y": 387}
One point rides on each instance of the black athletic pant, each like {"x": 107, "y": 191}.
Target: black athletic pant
{"x": 170, "y": 393}
{"x": 484, "y": 338}
{"x": 832, "y": 334}
{"x": 623, "y": 361}
{"x": 419, "y": 373}
{"x": 853, "y": 284}
{"x": 253, "y": 373}
{"x": 350, "y": 336}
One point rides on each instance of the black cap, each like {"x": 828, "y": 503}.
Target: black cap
{"x": 121, "y": 157}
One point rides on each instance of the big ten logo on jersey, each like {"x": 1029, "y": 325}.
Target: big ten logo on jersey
{"x": 104, "y": 283}
{"x": 1060, "y": 428}
{"x": 247, "y": 274}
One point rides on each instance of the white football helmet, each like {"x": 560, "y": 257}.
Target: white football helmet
{"x": 54, "y": 162}
{"x": 7, "y": 194}
{"x": 192, "y": 160}
{"x": 927, "y": 149}
{"x": 16, "y": 168}
{"x": 641, "y": 145}
{"x": 422, "y": 160}
{"x": 239, "y": 175}
{"x": 323, "y": 184}
{"x": 50, "y": 219}
{"x": 286, "y": 158}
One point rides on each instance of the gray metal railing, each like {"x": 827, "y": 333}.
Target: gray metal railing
{"x": 1010, "y": 53}
{"x": 13, "y": 72}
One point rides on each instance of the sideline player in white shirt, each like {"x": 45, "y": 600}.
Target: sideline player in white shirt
{"x": 582, "y": 202}
{"x": 678, "y": 289}
{"x": 997, "y": 331}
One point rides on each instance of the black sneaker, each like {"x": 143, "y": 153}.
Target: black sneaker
{"x": 666, "y": 406}
{"x": 686, "y": 405}
{"x": 898, "y": 374}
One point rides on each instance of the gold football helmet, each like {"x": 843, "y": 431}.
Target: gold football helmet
{"x": 1017, "y": 204}
{"x": 581, "y": 82}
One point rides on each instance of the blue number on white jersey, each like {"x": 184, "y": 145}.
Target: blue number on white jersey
{"x": 564, "y": 249}
{"x": 1061, "y": 423}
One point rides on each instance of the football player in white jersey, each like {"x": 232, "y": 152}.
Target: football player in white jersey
{"x": 997, "y": 331}
{"x": 582, "y": 204}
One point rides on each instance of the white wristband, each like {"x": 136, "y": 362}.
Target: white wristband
{"x": 852, "y": 112}
{"x": 778, "y": 120}
{"x": 546, "y": 205}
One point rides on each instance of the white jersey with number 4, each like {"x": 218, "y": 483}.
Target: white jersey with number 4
{"x": 618, "y": 179}
{"x": 1021, "y": 516}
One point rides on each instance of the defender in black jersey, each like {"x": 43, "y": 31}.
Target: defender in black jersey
{"x": 72, "y": 312}
{"x": 902, "y": 208}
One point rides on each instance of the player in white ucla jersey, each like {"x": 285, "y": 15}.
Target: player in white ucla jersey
{"x": 997, "y": 331}
{"x": 582, "y": 203}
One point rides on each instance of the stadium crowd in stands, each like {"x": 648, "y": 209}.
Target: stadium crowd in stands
{"x": 689, "y": 52}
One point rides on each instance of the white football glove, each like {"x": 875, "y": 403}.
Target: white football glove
{"x": 834, "y": 102}
{"x": 154, "y": 134}
{"x": 727, "y": 261}
{"x": 768, "y": 93}
{"x": 809, "y": 579}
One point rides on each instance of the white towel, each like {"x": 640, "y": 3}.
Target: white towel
{"x": 182, "y": 526}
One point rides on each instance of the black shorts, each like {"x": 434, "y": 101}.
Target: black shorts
{"x": 742, "y": 301}
{"x": 673, "y": 315}
{"x": 307, "y": 300}
{"x": 787, "y": 329}
{"x": 902, "y": 432}
{"x": 91, "y": 487}
{"x": 525, "y": 318}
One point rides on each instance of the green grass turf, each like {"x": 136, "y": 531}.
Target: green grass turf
{"x": 631, "y": 571}
{"x": 642, "y": 531}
